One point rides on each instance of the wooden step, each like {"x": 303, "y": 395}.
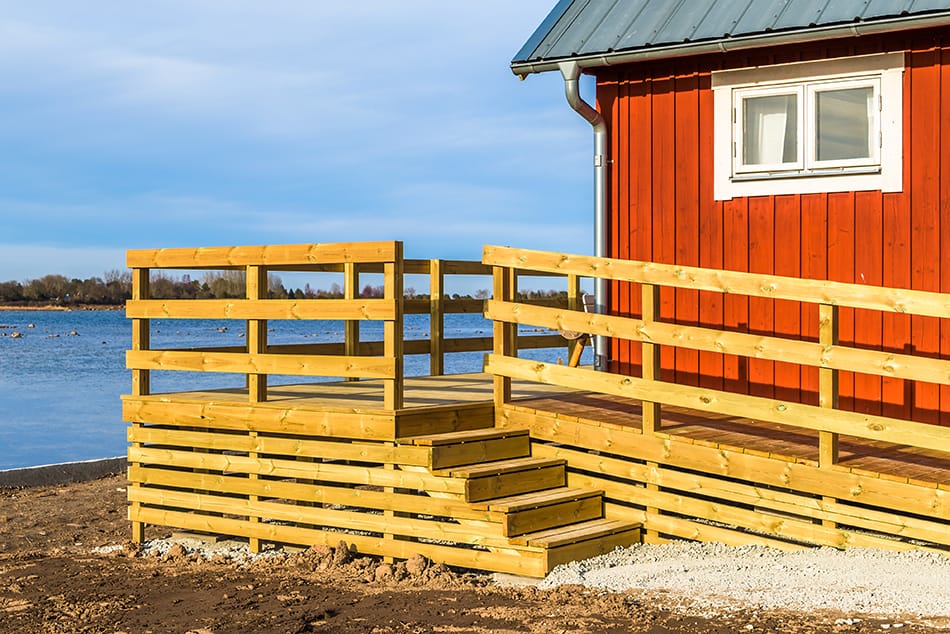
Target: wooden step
{"x": 499, "y": 467}
{"x": 473, "y": 447}
{"x": 597, "y": 542}
{"x": 505, "y": 478}
{"x": 538, "y": 511}
{"x": 574, "y": 533}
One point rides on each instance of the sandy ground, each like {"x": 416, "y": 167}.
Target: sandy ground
{"x": 65, "y": 567}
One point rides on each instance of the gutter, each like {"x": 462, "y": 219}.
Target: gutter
{"x": 571, "y": 72}
{"x": 857, "y": 29}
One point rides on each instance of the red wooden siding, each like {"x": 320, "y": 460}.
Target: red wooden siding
{"x": 661, "y": 208}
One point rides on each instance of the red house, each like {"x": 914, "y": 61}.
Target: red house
{"x": 802, "y": 138}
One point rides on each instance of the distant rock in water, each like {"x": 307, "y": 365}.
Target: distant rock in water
{"x": 73, "y": 333}
{"x": 31, "y": 325}
{"x": 16, "y": 334}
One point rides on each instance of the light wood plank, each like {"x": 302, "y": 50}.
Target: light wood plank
{"x": 825, "y": 356}
{"x": 892, "y": 300}
{"x": 705, "y": 400}
{"x": 228, "y": 362}
{"x": 289, "y": 309}
{"x": 269, "y": 255}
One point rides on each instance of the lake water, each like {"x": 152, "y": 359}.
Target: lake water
{"x": 59, "y": 393}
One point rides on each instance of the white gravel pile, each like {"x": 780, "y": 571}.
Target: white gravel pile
{"x": 714, "y": 577}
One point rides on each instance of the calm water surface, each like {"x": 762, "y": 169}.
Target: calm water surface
{"x": 59, "y": 393}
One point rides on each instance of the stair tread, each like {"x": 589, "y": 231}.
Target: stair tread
{"x": 499, "y": 467}
{"x": 474, "y": 435}
{"x": 527, "y": 501}
{"x": 574, "y": 533}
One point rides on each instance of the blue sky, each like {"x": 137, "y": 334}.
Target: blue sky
{"x": 205, "y": 122}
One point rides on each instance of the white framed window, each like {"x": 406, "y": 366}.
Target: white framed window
{"x": 825, "y": 126}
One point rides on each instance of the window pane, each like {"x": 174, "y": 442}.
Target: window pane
{"x": 844, "y": 123}
{"x": 770, "y": 130}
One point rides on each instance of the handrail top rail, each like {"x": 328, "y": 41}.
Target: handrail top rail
{"x": 894, "y": 300}
{"x": 264, "y": 255}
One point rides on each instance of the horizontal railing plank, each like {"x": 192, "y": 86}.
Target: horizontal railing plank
{"x": 243, "y": 363}
{"x": 893, "y": 300}
{"x": 289, "y": 309}
{"x": 269, "y": 255}
{"x": 880, "y": 428}
{"x": 837, "y": 357}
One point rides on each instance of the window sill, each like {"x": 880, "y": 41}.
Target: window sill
{"x": 818, "y": 173}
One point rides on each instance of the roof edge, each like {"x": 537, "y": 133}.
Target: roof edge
{"x": 543, "y": 29}
{"x": 723, "y": 45}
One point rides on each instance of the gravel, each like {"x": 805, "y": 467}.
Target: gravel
{"x": 714, "y": 578}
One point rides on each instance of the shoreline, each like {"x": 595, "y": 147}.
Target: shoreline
{"x": 61, "y": 309}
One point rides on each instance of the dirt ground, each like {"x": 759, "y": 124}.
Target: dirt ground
{"x": 52, "y": 580}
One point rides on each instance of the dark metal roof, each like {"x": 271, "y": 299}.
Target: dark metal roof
{"x": 599, "y": 29}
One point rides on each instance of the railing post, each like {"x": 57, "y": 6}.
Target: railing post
{"x": 140, "y": 380}
{"x": 256, "y": 282}
{"x": 651, "y": 357}
{"x": 827, "y": 383}
{"x": 256, "y": 286}
{"x": 504, "y": 334}
{"x": 436, "y": 318}
{"x": 574, "y": 304}
{"x": 650, "y": 365}
{"x": 351, "y": 327}
{"x": 827, "y": 392}
{"x": 393, "y": 330}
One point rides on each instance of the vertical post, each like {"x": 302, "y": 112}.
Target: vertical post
{"x": 827, "y": 392}
{"x": 393, "y": 333}
{"x": 256, "y": 280}
{"x": 503, "y": 343}
{"x": 651, "y": 371}
{"x": 351, "y": 327}
{"x": 393, "y": 330}
{"x": 436, "y": 318}
{"x": 651, "y": 357}
{"x": 256, "y": 284}
{"x": 574, "y": 346}
{"x": 827, "y": 383}
{"x": 140, "y": 381}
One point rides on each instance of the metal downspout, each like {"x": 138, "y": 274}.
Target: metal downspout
{"x": 571, "y": 72}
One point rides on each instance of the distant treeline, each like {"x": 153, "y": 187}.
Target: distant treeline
{"x": 115, "y": 287}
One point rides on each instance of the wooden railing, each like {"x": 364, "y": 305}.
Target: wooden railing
{"x": 352, "y": 359}
{"x": 650, "y": 332}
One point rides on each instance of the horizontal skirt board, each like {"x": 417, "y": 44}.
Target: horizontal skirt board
{"x": 290, "y": 447}
{"x": 260, "y": 418}
{"x": 282, "y": 468}
{"x": 472, "y": 532}
{"x": 836, "y": 482}
{"x": 634, "y": 475}
{"x": 305, "y": 491}
{"x": 528, "y": 563}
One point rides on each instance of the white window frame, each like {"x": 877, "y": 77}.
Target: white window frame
{"x": 882, "y": 171}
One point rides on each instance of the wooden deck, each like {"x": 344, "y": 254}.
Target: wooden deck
{"x": 531, "y": 464}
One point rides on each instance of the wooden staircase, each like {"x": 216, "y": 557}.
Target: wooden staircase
{"x": 524, "y": 498}
{"x": 454, "y": 489}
